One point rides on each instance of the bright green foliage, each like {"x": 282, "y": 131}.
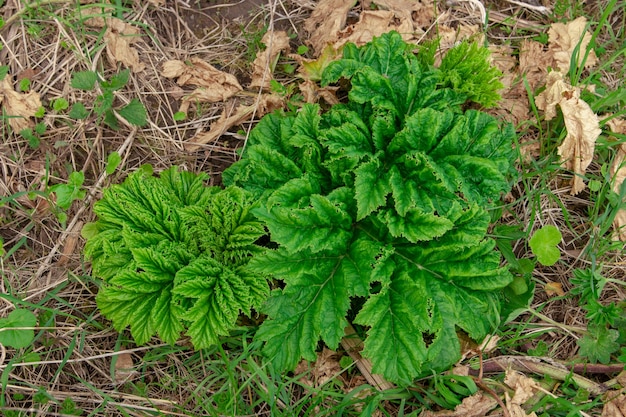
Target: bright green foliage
{"x": 173, "y": 254}
{"x": 544, "y": 243}
{"x": 599, "y": 344}
{"x": 73, "y": 190}
{"x": 103, "y": 106}
{"x": 14, "y": 330}
{"x": 380, "y": 209}
{"x": 467, "y": 68}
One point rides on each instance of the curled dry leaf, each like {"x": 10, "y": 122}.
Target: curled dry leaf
{"x": 201, "y": 74}
{"x": 582, "y": 124}
{"x": 554, "y": 288}
{"x": 524, "y": 387}
{"x": 229, "y": 118}
{"x": 618, "y": 171}
{"x": 312, "y": 92}
{"x": 215, "y": 85}
{"x": 565, "y": 38}
{"x": 325, "y": 368}
{"x": 374, "y": 23}
{"x": 275, "y": 42}
{"x": 18, "y": 107}
{"x": 328, "y": 18}
{"x": 513, "y": 106}
{"x": 615, "y": 405}
{"x": 533, "y": 62}
{"x": 119, "y": 37}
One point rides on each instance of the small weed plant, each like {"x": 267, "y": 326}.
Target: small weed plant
{"x": 103, "y": 106}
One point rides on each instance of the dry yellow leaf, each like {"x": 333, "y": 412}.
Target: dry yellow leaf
{"x": 582, "y": 124}
{"x": 328, "y": 18}
{"x": 554, "y": 288}
{"x": 563, "y": 40}
{"x": 265, "y": 61}
{"x": 618, "y": 171}
{"x": 18, "y": 107}
{"x": 312, "y": 69}
{"x": 230, "y": 118}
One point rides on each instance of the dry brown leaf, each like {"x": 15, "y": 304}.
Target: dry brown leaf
{"x": 325, "y": 368}
{"x": 615, "y": 406}
{"x": 525, "y": 388}
{"x": 554, "y": 288}
{"x": 516, "y": 410}
{"x": 312, "y": 92}
{"x": 407, "y": 17}
{"x": 618, "y": 172}
{"x": 477, "y": 405}
{"x": 448, "y": 37}
{"x": 514, "y": 105}
{"x": 582, "y": 124}
{"x": 124, "y": 368}
{"x": 228, "y": 119}
{"x": 18, "y": 107}
{"x": 564, "y": 38}
{"x": 215, "y": 85}
{"x": 533, "y": 62}
{"x": 202, "y": 74}
{"x": 374, "y": 23}
{"x": 119, "y": 37}
{"x": 70, "y": 243}
{"x": 263, "y": 64}
{"x": 328, "y": 18}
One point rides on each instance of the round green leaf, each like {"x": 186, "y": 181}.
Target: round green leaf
{"x": 544, "y": 245}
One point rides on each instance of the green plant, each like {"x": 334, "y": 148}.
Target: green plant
{"x": 134, "y": 112}
{"x": 16, "y": 329}
{"x": 544, "y": 243}
{"x": 172, "y": 254}
{"x": 380, "y": 209}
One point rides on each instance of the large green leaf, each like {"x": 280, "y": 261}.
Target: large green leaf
{"x": 220, "y": 294}
{"x": 314, "y": 303}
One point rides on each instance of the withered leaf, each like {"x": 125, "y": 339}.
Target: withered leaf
{"x": 228, "y": 119}
{"x": 262, "y": 67}
{"x": 525, "y": 388}
{"x": 565, "y": 38}
{"x": 618, "y": 172}
{"x": 18, "y": 107}
{"x": 119, "y": 37}
{"x": 328, "y": 18}
{"x": 582, "y": 124}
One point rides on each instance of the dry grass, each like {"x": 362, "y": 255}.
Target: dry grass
{"x": 77, "y": 350}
